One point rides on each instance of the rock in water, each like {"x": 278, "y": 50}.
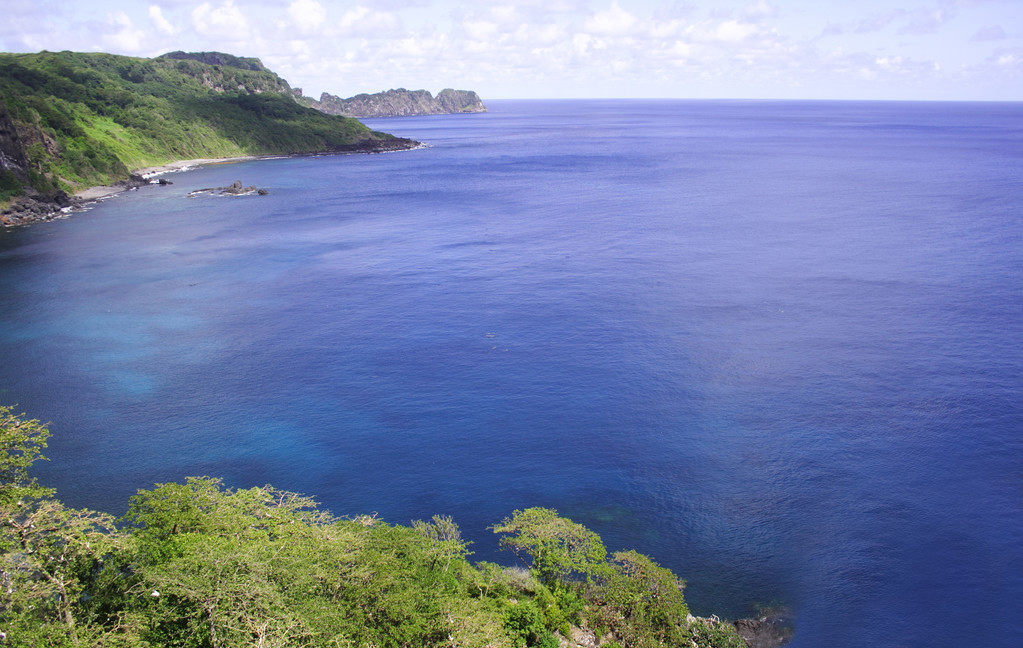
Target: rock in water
{"x": 234, "y": 189}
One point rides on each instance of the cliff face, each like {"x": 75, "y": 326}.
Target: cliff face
{"x": 400, "y": 103}
{"x": 12, "y": 154}
{"x": 460, "y": 101}
{"x": 218, "y": 58}
{"x": 222, "y": 72}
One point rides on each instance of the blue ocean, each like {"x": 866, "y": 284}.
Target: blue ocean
{"x": 776, "y": 346}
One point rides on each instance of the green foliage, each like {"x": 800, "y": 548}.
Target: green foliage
{"x": 641, "y": 602}
{"x": 10, "y": 185}
{"x": 53, "y": 560}
{"x": 88, "y": 119}
{"x": 527, "y": 625}
{"x": 201, "y": 565}
{"x": 56, "y": 561}
{"x": 716, "y": 634}
{"x": 558, "y": 548}
{"x": 22, "y": 442}
{"x": 263, "y": 566}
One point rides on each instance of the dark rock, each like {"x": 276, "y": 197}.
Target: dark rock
{"x": 12, "y": 152}
{"x": 769, "y": 631}
{"x": 234, "y": 189}
{"x": 132, "y": 182}
{"x": 33, "y": 209}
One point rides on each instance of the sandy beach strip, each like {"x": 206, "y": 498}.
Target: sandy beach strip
{"x": 185, "y": 165}
{"x": 101, "y": 192}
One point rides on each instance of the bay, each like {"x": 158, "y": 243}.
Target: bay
{"x": 774, "y": 345}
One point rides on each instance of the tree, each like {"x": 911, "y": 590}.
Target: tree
{"x": 53, "y": 559}
{"x": 446, "y": 537}
{"x": 559, "y": 548}
{"x": 641, "y": 602}
{"x": 22, "y": 442}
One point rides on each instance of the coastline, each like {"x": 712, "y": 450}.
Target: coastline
{"x": 25, "y": 210}
{"x": 102, "y": 192}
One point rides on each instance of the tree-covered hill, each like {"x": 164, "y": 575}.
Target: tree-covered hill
{"x": 206, "y": 566}
{"x": 72, "y": 120}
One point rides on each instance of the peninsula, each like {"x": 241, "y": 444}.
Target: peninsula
{"x": 70, "y": 121}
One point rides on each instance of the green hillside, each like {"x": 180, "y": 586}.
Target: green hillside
{"x": 71, "y": 120}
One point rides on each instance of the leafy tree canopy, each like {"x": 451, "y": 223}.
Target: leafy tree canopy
{"x": 558, "y": 548}
{"x": 202, "y": 565}
{"x": 22, "y": 442}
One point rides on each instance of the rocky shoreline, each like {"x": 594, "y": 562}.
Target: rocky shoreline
{"x": 28, "y": 209}
{"x": 25, "y": 210}
{"x": 773, "y": 629}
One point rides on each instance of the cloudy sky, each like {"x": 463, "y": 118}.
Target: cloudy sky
{"x": 828, "y": 49}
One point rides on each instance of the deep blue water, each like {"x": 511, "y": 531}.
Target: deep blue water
{"x": 778, "y": 346}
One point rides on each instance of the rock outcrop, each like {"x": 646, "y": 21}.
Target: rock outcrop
{"x": 21, "y": 202}
{"x": 400, "y": 103}
{"x": 460, "y": 101}
{"x": 218, "y": 58}
{"x": 234, "y": 189}
{"x": 771, "y": 630}
{"x": 12, "y": 153}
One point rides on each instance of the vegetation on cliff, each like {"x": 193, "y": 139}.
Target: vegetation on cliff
{"x": 72, "y": 120}
{"x": 200, "y": 564}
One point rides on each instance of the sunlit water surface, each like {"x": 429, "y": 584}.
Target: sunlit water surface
{"x": 776, "y": 346}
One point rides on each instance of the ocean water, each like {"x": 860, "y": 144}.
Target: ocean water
{"x": 777, "y": 346}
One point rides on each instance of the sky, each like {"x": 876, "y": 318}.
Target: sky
{"x": 968, "y": 50}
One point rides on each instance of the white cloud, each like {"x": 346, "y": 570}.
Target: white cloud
{"x": 889, "y": 63}
{"x": 733, "y": 31}
{"x": 584, "y": 44}
{"x": 307, "y": 15}
{"x": 365, "y": 22}
{"x": 568, "y": 47}
{"x": 539, "y": 36}
{"x": 507, "y": 14}
{"x": 665, "y": 29}
{"x": 680, "y": 50}
{"x": 613, "y": 21}
{"x": 162, "y": 24}
{"x": 225, "y": 21}
{"x": 480, "y": 30}
{"x": 126, "y": 37}
{"x": 760, "y": 9}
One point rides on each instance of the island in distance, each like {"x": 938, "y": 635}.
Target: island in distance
{"x": 397, "y": 103}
